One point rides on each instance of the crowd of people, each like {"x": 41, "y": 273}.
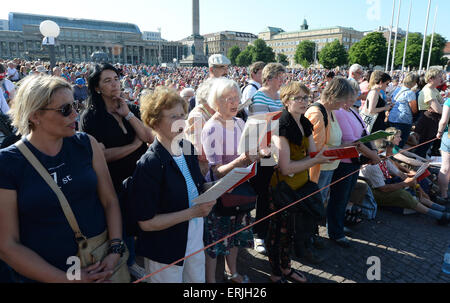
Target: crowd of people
{"x": 131, "y": 147}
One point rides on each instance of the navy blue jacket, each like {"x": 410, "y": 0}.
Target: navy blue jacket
{"x": 159, "y": 187}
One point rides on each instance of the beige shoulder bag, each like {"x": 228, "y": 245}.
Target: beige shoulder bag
{"x": 90, "y": 250}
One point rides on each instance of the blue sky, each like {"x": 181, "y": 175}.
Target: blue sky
{"x": 174, "y": 16}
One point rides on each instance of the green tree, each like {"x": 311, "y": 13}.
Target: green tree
{"x": 244, "y": 58}
{"x": 261, "y": 52}
{"x": 371, "y": 50}
{"x": 282, "y": 58}
{"x": 232, "y": 54}
{"x": 304, "y": 53}
{"x": 414, "y": 50}
{"x": 333, "y": 54}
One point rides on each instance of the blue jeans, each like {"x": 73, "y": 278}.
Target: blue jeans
{"x": 324, "y": 180}
{"x": 339, "y": 197}
{"x": 406, "y": 129}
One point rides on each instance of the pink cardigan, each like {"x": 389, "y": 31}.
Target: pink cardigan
{"x": 352, "y": 129}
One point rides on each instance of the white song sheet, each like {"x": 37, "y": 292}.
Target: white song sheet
{"x": 233, "y": 179}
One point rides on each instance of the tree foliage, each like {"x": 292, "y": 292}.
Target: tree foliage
{"x": 233, "y": 53}
{"x": 282, "y": 58}
{"x": 304, "y": 53}
{"x": 333, "y": 54}
{"x": 259, "y": 51}
{"x": 262, "y": 52}
{"x": 414, "y": 50}
{"x": 244, "y": 58}
{"x": 371, "y": 50}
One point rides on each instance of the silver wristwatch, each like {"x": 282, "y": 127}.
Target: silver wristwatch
{"x": 129, "y": 116}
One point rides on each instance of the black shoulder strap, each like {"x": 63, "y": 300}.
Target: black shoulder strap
{"x": 245, "y": 86}
{"x": 323, "y": 111}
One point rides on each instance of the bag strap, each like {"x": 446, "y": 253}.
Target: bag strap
{"x": 323, "y": 111}
{"x": 46, "y": 176}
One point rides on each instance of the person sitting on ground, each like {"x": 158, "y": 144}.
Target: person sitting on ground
{"x": 389, "y": 191}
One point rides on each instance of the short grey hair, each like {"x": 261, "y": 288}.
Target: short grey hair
{"x": 219, "y": 88}
{"x": 187, "y": 90}
{"x": 201, "y": 96}
{"x": 354, "y": 68}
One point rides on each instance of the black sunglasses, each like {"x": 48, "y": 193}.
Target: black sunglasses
{"x": 65, "y": 110}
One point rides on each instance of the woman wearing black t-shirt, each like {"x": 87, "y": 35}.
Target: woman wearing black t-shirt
{"x": 114, "y": 123}
{"x": 117, "y": 126}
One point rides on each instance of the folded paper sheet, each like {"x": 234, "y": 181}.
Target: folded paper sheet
{"x": 232, "y": 180}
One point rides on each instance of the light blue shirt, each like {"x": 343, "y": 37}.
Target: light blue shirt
{"x": 401, "y": 111}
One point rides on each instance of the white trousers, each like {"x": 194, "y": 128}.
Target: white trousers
{"x": 192, "y": 271}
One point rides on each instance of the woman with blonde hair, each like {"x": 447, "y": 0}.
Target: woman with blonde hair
{"x": 36, "y": 239}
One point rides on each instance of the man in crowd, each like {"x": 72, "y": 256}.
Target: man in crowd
{"x": 254, "y": 84}
{"x": 355, "y": 74}
{"x": 218, "y": 67}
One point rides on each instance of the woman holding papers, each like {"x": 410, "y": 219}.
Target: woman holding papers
{"x": 266, "y": 99}
{"x": 166, "y": 180}
{"x": 220, "y": 138}
{"x": 353, "y": 128}
{"x": 294, "y": 143}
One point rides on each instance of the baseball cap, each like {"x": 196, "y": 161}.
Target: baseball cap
{"x": 80, "y": 81}
{"x": 218, "y": 59}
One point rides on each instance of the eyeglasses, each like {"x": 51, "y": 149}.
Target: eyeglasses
{"x": 65, "y": 110}
{"x": 232, "y": 99}
{"x": 176, "y": 117}
{"x": 298, "y": 99}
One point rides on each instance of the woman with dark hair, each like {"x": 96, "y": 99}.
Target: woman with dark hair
{"x": 114, "y": 123}
{"x": 117, "y": 127}
{"x": 375, "y": 104}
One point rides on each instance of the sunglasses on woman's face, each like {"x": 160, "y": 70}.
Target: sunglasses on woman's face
{"x": 65, "y": 110}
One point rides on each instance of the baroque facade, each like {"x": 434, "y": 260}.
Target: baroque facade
{"x": 79, "y": 38}
{"x": 221, "y": 42}
{"x": 287, "y": 42}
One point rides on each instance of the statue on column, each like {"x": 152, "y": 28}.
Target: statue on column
{"x": 193, "y": 50}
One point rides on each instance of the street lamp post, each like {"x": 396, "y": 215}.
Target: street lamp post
{"x": 50, "y": 31}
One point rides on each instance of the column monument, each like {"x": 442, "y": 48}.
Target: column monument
{"x": 193, "y": 44}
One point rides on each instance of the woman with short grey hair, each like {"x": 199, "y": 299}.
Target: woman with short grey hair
{"x": 220, "y": 139}
{"x": 197, "y": 118}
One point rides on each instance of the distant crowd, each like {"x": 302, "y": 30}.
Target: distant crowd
{"x": 92, "y": 165}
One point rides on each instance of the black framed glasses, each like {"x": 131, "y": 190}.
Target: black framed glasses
{"x": 65, "y": 110}
{"x": 300, "y": 99}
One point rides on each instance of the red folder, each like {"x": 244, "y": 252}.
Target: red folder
{"x": 424, "y": 175}
{"x": 340, "y": 153}
{"x": 250, "y": 175}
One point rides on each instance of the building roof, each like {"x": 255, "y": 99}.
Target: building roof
{"x": 447, "y": 49}
{"x": 272, "y": 29}
{"x": 17, "y": 20}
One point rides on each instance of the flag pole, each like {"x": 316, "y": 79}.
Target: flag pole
{"x": 424, "y": 37}
{"x": 406, "y": 40}
{"x": 390, "y": 36}
{"x": 432, "y": 38}
{"x": 396, "y": 35}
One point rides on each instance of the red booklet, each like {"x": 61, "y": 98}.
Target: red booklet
{"x": 340, "y": 153}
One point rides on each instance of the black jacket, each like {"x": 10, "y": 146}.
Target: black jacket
{"x": 159, "y": 187}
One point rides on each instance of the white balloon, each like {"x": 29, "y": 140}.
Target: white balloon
{"x": 49, "y": 28}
